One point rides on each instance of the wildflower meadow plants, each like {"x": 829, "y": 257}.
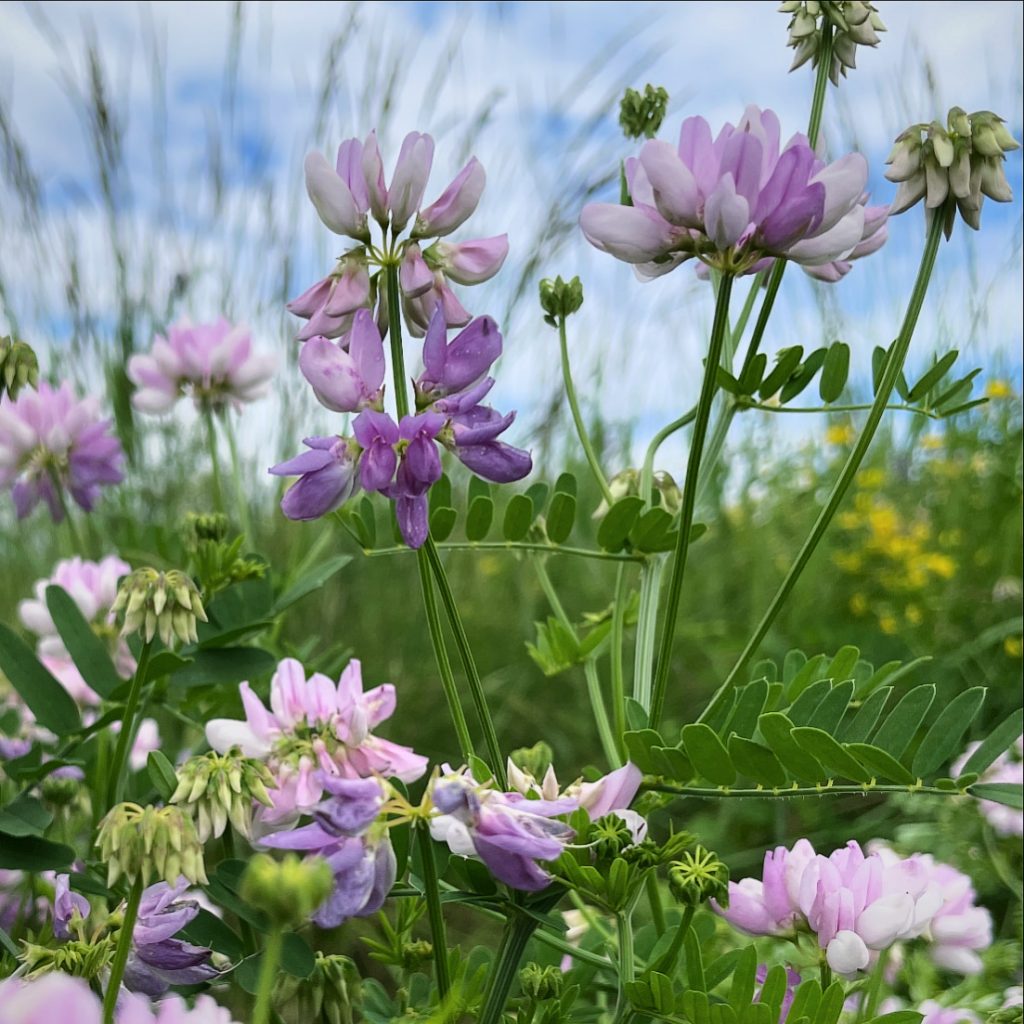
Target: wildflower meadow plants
{"x": 204, "y": 819}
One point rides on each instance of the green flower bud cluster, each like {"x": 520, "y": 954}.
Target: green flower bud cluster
{"x": 288, "y": 890}
{"x": 854, "y": 23}
{"x": 560, "y": 299}
{"x": 539, "y": 983}
{"x": 82, "y": 959}
{"x": 218, "y": 788}
{"x": 151, "y": 844}
{"x": 61, "y": 791}
{"x": 1007, "y": 1015}
{"x": 627, "y": 482}
{"x": 330, "y": 995}
{"x": 641, "y": 114}
{"x": 199, "y": 527}
{"x": 415, "y": 953}
{"x": 698, "y": 876}
{"x": 154, "y": 602}
{"x": 963, "y": 161}
{"x": 216, "y": 560}
{"x": 18, "y": 367}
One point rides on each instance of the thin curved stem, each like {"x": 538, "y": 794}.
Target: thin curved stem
{"x": 512, "y": 546}
{"x": 241, "y": 498}
{"x": 700, "y": 427}
{"x": 124, "y": 947}
{"x": 577, "y": 417}
{"x": 435, "y": 914}
{"x": 115, "y": 780}
{"x": 267, "y": 976}
{"x": 616, "y": 657}
{"x": 444, "y": 666}
{"x": 862, "y": 407}
{"x": 655, "y": 785}
{"x": 647, "y": 470}
{"x": 893, "y": 368}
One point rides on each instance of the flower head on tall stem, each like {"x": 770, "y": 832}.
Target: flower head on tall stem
{"x": 54, "y": 446}
{"x": 852, "y": 23}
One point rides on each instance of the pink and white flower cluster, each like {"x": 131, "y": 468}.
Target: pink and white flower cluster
{"x": 213, "y": 362}
{"x": 1008, "y": 767}
{"x": 857, "y": 904}
{"x": 314, "y": 725}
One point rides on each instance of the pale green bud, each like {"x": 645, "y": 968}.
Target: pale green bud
{"x": 87, "y": 960}
{"x": 164, "y": 603}
{"x": 286, "y": 890}
{"x": 560, "y": 299}
{"x": 18, "y": 367}
{"x": 854, "y": 23}
{"x": 641, "y": 114}
{"x": 697, "y": 877}
{"x": 150, "y": 843}
{"x": 540, "y": 983}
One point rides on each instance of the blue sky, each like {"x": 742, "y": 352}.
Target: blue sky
{"x": 531, "y": 89}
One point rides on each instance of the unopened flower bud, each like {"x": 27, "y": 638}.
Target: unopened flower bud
{"x": 853, "y": 23}
{"x": 697, "y": 877}
{"x": 416, "y": 953}
{"x": 327, "y": 996}
{"x": 641, "y": 114}
{"x": 560, "y": 299}
{"x": 18, "y": 367}
{"x": 87, "y": 960}
{"x": 623, "y": 484}
{"x": 154, "y": 602}
{"x": 534, "y": 760}
{"x": 150, "y": 843}
{"x": 668, "y": 489}
{"x": 610, "y": 836}
{"x": 953, "y": 167}
{"x": 218, "y": 788}
{"x": 204, "y": 526}
{"x": 62, "y": 787}
{"x": 288, "y": 890}
{"x": 539, "y": 983}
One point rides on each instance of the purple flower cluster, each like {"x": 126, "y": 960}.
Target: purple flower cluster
{"x": 738, "y": 201}
{"x": 348, "y": 194}
{"x": 401, "y": 460}
{"x": 53, "y": 444}
{"x": 359, "y": 854}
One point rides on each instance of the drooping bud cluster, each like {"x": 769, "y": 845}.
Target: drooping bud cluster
{"x": 328, "y": 996}
{"x": 288, "y": 890}
{"x": 18, "y": 367}
{"x": 150, "y": 843}
{"x": 963, "y": 160}
{"x": 155, "y": 602}
{"x": 641, "y": 114}
{"x": 79, "y": 959}
{"x": 218, "y": 788}
{"x": 699, "y": 876}
{"x": 853, "y": 22}
{"x": 560, "y": 299}
{"x": 216, "y": 557}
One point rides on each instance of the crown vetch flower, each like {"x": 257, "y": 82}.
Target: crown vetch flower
{"x": 1008, "y": 767}
{"x": 315, "y": 729}
{"x": 52, "y": 443}
{"x": 509, "y": 832}
{"x": 351, "y": 192}
{"x": 348, "y": 376}
{"x": 213, "y": 362}
{"x": 735, "y": 202}
{"x": 854, "y": 23}
{"x": 68, "y": 907}
{"x": 327, "y": 477}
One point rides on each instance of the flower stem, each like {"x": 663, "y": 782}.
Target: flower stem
{"x": 646, "y": 628}
{"x": 617, "y": 673}
{"x": 870, "y": 999}
{"x": 395, "y": 341}
{"x": 116, "y": 780}
{"x": 667, "y": 962}
{"x": 476, "y": 688}
{"x": 124, "y": 947}
{"x": 241, "y": 498}
{"x": 78, "y": 548}
{"x": 513, "y": 546}
{"x": 267, "y": 976}
{"x": 700, "y": 427}
{"x": 893, "y": 368}
{"x": 820, "y": 82}
{"x": 444, "y": 666}
{"x": 211, "y": 446}
{"x": 432, "y": 895}
{"x": 577, "y": 418}
{"x": 627, "y": 965}
{"x": 647, "y": 470}
{"x": 518, "y": 930}
{"x": 654, "y": 901}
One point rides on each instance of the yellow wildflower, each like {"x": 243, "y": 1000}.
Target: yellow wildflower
{"x": 998, "y": 389}
{"x": 1013, "y": 646}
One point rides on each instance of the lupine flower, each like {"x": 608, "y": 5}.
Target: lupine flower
{"x": 507, "y": 831}
{"x": 735, "y": 202}
{"x": 963, "y": 160}
{"x": 854, "y": 23}
{"x": 53, "y": 444}
{"x": 315, "y": 729}
{"x": 214, "y": 363}
{"x": 358, "y": 852}
{"x": 346, "y": 195}
{"x": 68, "y": 907}
{"x": 61, "y": 997}
{"x": 1006, "y": 821}
{"x": 158, "y": 960}
{"x": 855, "y": 904}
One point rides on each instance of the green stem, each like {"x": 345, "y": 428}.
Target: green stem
{"x": 604, "y": 727}
{"x": 432, "y": 895}
{"x": 820, "y": 82}
{"x": 627, "y": 965}
{"x": 241, "y": 498}
{"x": 577, "y": 418}
{"x": 211, "y": 447}
{"x": 700, "y": 427}
{"x": 647, "y": 471}
{"x": 78, "y": 548}
{"x": 869, "y": 1004}
{"x": 512, "y": 547}
{"x": 825, "y": 973}
{"x": 124, "y": 947}
{"x": 646, "y": 629}
{"x": 654, "y": 901}
{"x": 667, "y": 962}
{"x": 429, "y": 549}
{"x": 476, "y": 688}
{"x": 115, "y": 780}
{"x": 444, "y": 667}
{"x": 893, "y": 368}
{"x": 518, "y": 930}
{"x": 658, "y": 785}
{"x": 617, "y": 672}
{"x": 267, "y": 976}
